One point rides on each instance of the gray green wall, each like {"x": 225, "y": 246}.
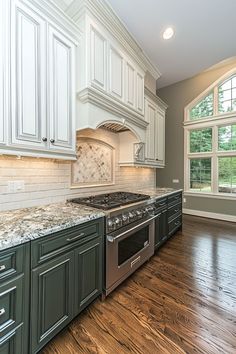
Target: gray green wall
{"x": 177, "y": 96}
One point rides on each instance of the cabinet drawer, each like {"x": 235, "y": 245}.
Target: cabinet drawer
{"x": 174, "y": 211}
{"x": 175, "y": 198}
{"x": 174, "y": 225}
{"x": 11, "y": 305}
{"x": 161, "y": 203}
{"x": 48, "y": 247}
{"x": 11, "y": 262}
{"x": 12, "y": 342}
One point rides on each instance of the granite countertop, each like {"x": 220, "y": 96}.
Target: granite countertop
{"x": 158, "y": 192}
{"x": 22, "y": 225}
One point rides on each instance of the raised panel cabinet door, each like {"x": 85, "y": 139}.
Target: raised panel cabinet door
{"x": 98, "y": 55}
{"x": 88, "y": 273}
{"x": 28, "y": 76}
{"x": 160, "y": 138}
{"x": 51, "y": 299}
{"x": 116, "y": 74}
{"x": 140, "y": 93}
{"x": 62, "y": 97}
{"x": 130, "y": 85}
{"x": 3, "y": 48}
{"x": 150, "y": 117}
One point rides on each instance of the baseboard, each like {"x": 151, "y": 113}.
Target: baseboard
{"x": 206, "y": 214}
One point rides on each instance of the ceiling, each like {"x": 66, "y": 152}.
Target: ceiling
{"x": 204, "y": 33}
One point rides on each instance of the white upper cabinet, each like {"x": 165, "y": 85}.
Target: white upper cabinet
{"x": 2, "y": 76}
{"x": 140, "y": 93}
{"x": 42, "y": 96}
{"x": 130, "y": 85}
{"x": 98, "y": 59}
{"x": 61, "y": 53}
{"x": 155, "y": 133}
{"x": 28, "y": 73}
{"x": 116, "y": 73}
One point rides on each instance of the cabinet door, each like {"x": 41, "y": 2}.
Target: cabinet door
{"x": 130, "y": 85}
{"x": 3, "y": 32}
{"x": 116, "y": 74}
{"x": 28, "y": 75}
{"x": 61, "y": 91}
{"x": 98, "y": 55}
{"x": 12, "y": 343}
{"x": 150, "y": 117}
{"x": 51, "y": 299}
{"x": 140, "y": 93}
{"x": 160, "y": 138}
{"x": 88, "y": 273}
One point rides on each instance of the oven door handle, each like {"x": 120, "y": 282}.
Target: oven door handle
{"x": 137, "y": 227}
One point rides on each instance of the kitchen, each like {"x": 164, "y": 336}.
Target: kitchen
{"x": 117, "y": 231}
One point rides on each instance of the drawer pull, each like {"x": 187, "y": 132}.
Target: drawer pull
{"x": 177, "y": 223}
{"x": 75, "y": 238}
{"x": 2, "y": 267}
{"x": 176, "y": 210}
{"x": 176, "y": 197}
{"x": 2, "y": 311}
{"x": 162, "y": 204}
{"x": 135, "y": 261}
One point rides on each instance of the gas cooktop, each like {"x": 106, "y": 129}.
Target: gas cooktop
{"x": 111, "y": 200}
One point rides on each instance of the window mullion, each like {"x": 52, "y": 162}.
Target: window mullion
{"x": 215, "y": 101}
{"x": 214, "y": 160}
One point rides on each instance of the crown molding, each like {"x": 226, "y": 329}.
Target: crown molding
{"x": 106, "y": 15}
{"x": 155, "y": 98}
{"x": 103, "y": 101}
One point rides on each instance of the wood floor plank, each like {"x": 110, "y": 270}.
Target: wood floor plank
{"x": 182, "y": 301}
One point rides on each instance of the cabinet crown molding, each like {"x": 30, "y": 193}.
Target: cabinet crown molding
{"x": 106, "y": 15}
{"x": 156, "y": 99}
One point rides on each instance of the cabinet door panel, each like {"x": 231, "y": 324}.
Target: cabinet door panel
{"x": 2, "y": 71}
{"x": 160, "y": 140}
{"x": 61, "y": 91}
{"x": 150, "y": 117}
{"x": 130, "y": 85}
{"x": 28, "y": 76}
{"x": 98, "y": 59}
{"x": 140, "y": 93}
{"x": 88, "y": 273}
{"x": 116, "y": 74}
{"x": 52, "y": 299}
{"x": 12, "y": 343}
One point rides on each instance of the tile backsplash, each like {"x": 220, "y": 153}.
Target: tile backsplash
{"x": 48, "y": 181}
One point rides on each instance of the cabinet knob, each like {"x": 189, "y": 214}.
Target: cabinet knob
{"x": 44, "y": 139}
{"x": 52, "y": 141}
{"x": 2, "y": 267}
{"x": 2, "y": 311}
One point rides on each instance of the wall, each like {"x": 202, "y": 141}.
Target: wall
{"x": 177, "y": 96}
{"x": 48, "y": 181}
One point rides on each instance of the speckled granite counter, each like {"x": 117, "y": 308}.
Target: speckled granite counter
{"x": 157, "y": 193}
{"x": 22, "y": 225}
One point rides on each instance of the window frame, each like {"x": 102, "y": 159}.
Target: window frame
{"x": 214, "y": 122}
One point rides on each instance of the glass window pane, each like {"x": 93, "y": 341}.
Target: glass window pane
{"x": 201, "y": 140}
{"x": 203, "y": 109}
{"x": 224, "y": 106}
{"x": 234, "y": 93}
{"x": 234, "y": 81}
{"x": 227, "y": 138}
{"x": 200, "y": 175}
{"x": 227, "y": 174}
{"x": 225, "y": 95}
{"x": 226, "y": 85}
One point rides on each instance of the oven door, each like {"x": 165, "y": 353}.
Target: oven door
{"x": 126, "y": 251}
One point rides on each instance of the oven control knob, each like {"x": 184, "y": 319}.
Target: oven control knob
{"x": 139, "y": 213}
{"x": 131, "y": 215}
{"x": 111, "y": 224}
{"x": 125, "y": 218}
{"x": 118, "y": 222}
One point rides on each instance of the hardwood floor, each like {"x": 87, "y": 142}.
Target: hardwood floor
{"x": 182, "y": 301}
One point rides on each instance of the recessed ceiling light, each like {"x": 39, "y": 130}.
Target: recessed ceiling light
{"x": 168, "y": 33}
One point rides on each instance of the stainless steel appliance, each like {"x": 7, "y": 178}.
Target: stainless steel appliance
{"x": 130, "y": 233}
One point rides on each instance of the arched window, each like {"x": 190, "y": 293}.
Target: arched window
{"x": 210, "y": 140}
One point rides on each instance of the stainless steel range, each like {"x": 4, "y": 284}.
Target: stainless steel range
{"x": 130, "y": 232}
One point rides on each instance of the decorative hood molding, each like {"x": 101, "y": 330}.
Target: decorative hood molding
{"x": 104, "y": 13}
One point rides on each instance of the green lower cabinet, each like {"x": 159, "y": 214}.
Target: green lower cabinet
{"x": 88, "y": 273}
{"x": 13, "y": 342}
{"x": 161, "y": 228}
{"x": 51, "y": 299}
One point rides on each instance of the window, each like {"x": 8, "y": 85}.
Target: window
{"x": 210, "y": 141}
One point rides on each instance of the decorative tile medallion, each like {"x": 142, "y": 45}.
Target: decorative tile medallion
{"x": 94, "y": 165}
